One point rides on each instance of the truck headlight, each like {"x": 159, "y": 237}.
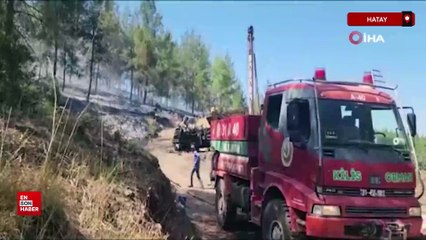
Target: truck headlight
{"x": 326, "y": 210}
{"x": 415, "y": 211}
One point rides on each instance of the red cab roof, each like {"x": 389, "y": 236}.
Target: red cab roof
{"x": 337, "y": 90}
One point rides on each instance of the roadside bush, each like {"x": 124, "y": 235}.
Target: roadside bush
{"x": 420, "y": 145}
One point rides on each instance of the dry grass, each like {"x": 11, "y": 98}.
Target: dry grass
{"x": 91, "y": 187}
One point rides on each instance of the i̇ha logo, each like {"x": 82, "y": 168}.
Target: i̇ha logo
{"x": 28, "y": 203}
{"x": 356, "y": 38}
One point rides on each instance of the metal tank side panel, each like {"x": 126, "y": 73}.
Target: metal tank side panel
{"x": 234, "y": 165}
{"x": 235, "y": 138}
{"x": 241, "y": 148}
{"x": 235, "y": 128}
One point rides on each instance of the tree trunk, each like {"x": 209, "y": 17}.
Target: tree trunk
{"x": 145, "y": 90}
{"x": 70, "y": 77}
{"x": 131, "y": 84}
{"x": 56, "y": 36}
{"x": 64, "y": 72}
{"x": 10, "y": 11}
{"x": 10, "y": 62}
{"x": 92, "y": 59}
{"x": 193, "y": 95}
{"x": 10, "y": 41}
{"x": 39, "y": 70}
{"x": 55, "y": 58}
{"x": 97, "y": 78}
{"x": 193, "y": 103}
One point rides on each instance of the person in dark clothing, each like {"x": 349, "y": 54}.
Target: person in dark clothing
{"x": 196, "y": 167}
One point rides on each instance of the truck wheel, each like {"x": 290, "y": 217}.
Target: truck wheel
{"x": 225, "y": 211}
{"x": 276, "y": 221}
{"x": 214, "y": 166}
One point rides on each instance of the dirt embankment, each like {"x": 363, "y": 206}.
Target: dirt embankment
{"x": 95, "y": 181}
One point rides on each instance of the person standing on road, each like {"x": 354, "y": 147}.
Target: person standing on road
{"x": 196, "y": 167}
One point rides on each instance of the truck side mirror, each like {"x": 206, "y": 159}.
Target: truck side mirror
{"x": 411, "y": 119}
{"x": 298, "y": 120}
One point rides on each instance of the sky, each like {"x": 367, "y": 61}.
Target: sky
{"x": 293, "y": 38}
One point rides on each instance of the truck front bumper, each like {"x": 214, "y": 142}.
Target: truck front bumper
{"x": 363, "y": 228}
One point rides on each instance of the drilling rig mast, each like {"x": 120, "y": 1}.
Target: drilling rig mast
{"x": 253, "y": 103}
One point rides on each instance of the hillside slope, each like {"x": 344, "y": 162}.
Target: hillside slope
{"x": 95, "y": 182}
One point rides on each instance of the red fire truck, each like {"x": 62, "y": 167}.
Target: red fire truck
{"x": 323, "y": 159}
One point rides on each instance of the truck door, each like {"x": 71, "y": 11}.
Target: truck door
{"x": 298, "y": 134}
{"x": 270, "y": 135}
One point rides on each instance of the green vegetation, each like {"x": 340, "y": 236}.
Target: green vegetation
{"x": 82, "y": 37}
{"x": 420, "y": 144}
{"x": 93, "y": 184}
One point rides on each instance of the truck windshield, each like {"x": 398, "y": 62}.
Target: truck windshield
{"x": 359, "y": 123}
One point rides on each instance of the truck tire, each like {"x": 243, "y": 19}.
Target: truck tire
{"x": 276, "y": 222}
{"x": 213, "y": 166}
{"x": 225, "y": 211}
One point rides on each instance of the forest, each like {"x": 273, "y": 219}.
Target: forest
{"x": 38, "y": 38}
{"x": 68, "y": 39}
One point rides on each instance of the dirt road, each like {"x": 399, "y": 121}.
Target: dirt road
{"x": 200, "y": 202}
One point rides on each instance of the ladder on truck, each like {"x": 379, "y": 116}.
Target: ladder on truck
{"x": 377, "y": 76}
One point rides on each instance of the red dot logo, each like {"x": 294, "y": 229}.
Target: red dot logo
{"x": 355, "y": 37}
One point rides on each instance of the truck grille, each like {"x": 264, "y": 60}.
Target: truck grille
{"x": 351, "y": 210}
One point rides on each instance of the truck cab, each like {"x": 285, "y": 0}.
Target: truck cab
{"x": 334, "y": 160}
{"x": 341, "y": 160}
